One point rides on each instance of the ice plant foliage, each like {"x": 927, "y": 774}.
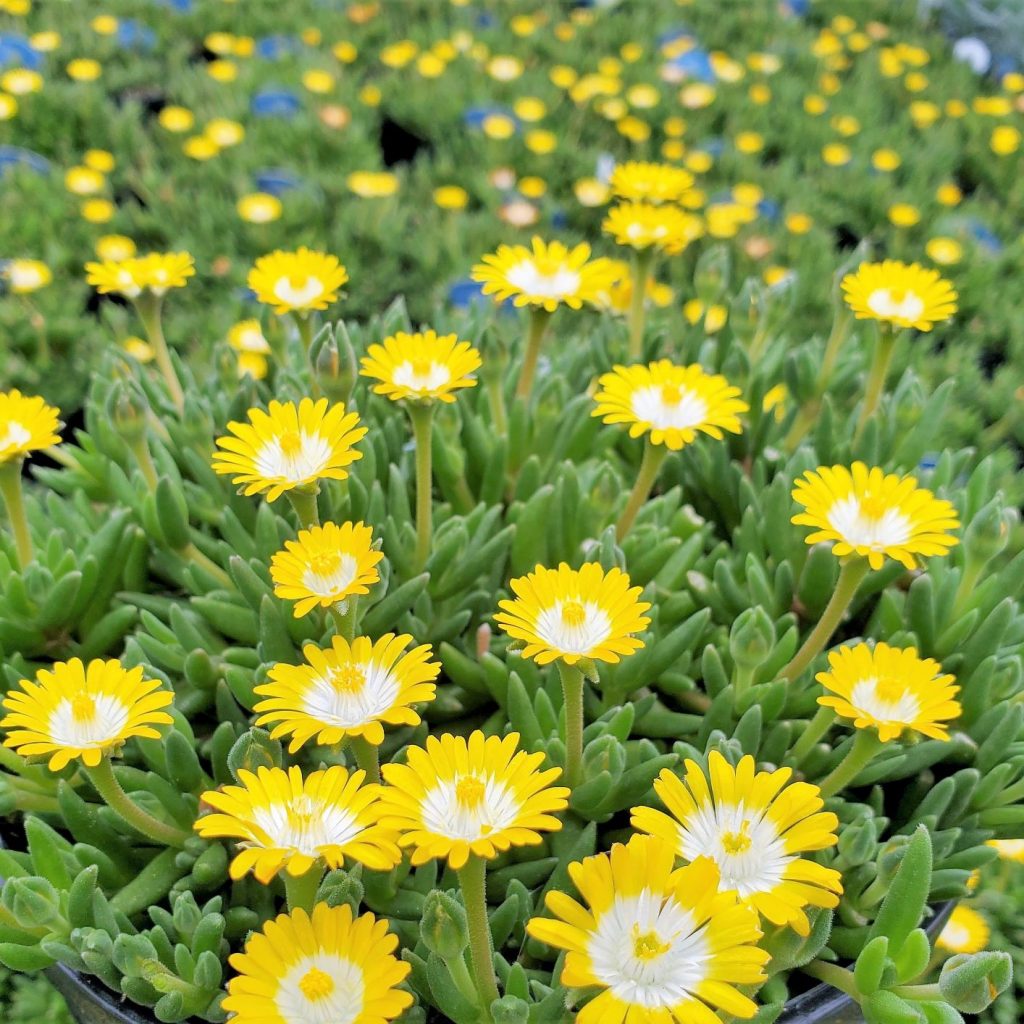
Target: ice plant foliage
{"x": 77, "y": 711}
{"x": 285, "y": 821}
{"x": 873, "y": 514}
{"x": 347, "y": 690}
{"x": 754, "y": 826}
{"x": 297, "y": 282}
{"x": 899, "y": 294}
{"x": 658, "y": 942}
{"x": 421, "y": 367}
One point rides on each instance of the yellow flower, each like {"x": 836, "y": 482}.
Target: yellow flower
{"x": 98, "y": 211}
{"x": 326, "y": 967}
{"x": 155, "y": 272}
{"x": 547, "y": 275}
{"x": 749, "y": 142}
{"x": 285, "y": 822}
{"x": 451, "y": 197}
{"x": 944, "y": 251}
{"x": 224, "y": 132}
{"x": 714, "y": 316}
{"x": 325, "y": 565}
{"x": 754, "y": 827}
{"x": 21, "y": 81}
{"x": 318, "y": 81}
{"x": 948, "y": 194}
{"x": 83, "y": 181}
{"x": 421, "y": 367}
{"x": 643, "y": 225}
{"x": 252, "y": 364}
{"x": 259, "y": 208}
{"x": 176, "y": 119}
{"x": 899, "y": 294}
{"x": 663, "y": 945}
{"x": 25, "y": 276}
{"x": 247, "y": 336}
{"x": 345, "y": 51}
{"x": 798, "y": 223}
{"x": 139, "y": 349}
{"x": 504, "y": 69}
{"x": 200, "y": 147}
{"x": 164, "y": 270}
{"x": 1005, "y": 140}
{"x": 222, "y": 70}
{"x": 372, "y": 184}
{"x": 82, "y": 711}
{"x": 347, "y": 690}
{"x": 27, "y": 424}
{"x": 370, "y": 95}
{"x": 529, "y": 108}
{"x": 100, "y": 160}
{"x": 775, "y": 401}
{"x": 591, "y": 192}
{"x": 966, "y": 931}
{"x": 875, "y": 515}
{"x": 669, "y": 403}
{"x": 891, "y": 690}
{"x": 540, "y": 141}
{"x": 1008, "y": 849}
{"x": 8, "y": 107}
{"x": 289, "y": 446}
{"x": 904, "y": 215}
{"x": 885, "y": 160}
{"x": 618, "y": 298}
{"x": 297, "y": 281}
{"x": 84, "y": 69}
{"x": 45, "y": 42}
{"x": 479, "y": 796}
{"x": 652, "y": 183}
{"x": 397, "y": 55}
{"x": 570, "y": 614}
{"x": 835, "y": 154}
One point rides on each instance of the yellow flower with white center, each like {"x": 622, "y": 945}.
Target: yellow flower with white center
{"x": 247, "y": 336}
{"x": 27, "y": 424}
{"x": 115, "y": 247}
{"x": 372, "y": 184}
{"x": 347, "y": 690}
{"x": 224, "y": 132}
{"x": 297, "y": 281}
{"x": 591, "y": 192}
{"x": 77, "y": 711}
{"x": 891, "y": 690}
{"x": 421, "y": 367}
{"x": 966, "y": 931}
{"x": 570, "y": 614}
{"x": 21, "y": 81}
{"x": 25, "y": 276}
{"x": 479, "y": 796}
{"x": 643, "y": 226}
{"x": 83, "y": 181}
{"x": 546, "y": 275}
{"x": 671, "y": 404}
{"x": 165, "y": 270}
{"x": 876, "y": 515}
{"x": 289, "y": 446}
{"x": 944, "y": 251}
{"x": 541, "y": 141}
{"x": 899, "y": 294}
{"x": 504, "y": 69}
{"x": 287, "y": 822}
{"x": 324, "y": 968}
{"x": 252, "y": 364}
{"x": 325, "y": 565}
{"x": 754, "y": 827}
{"x": 663, "y": 944}
{"x": 1008, "y": 849}
{"x": 154, "y": 272}
{"x": 259, "y": 208}
{"x": 652, "y": 183}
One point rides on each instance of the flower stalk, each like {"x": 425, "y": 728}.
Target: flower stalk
{"x": 650, "y": 464}
{"x": 109, "y": 788}
{"x": 301, "y": 889}
{"x": 148, "y": 307}
{"x": 14, "y": 502}
{"x": 539, "y": 319}
{"x": 885, "y": 346}
{"x": 865, "y": 746}
{"x": 572, "y": 692}
{"x": 473, "y": 883}
{"x": 642, "y": 262}
{"x": 422, "y": 416}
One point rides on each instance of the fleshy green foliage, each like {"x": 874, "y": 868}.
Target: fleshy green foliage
{"x": 28, "y": 999}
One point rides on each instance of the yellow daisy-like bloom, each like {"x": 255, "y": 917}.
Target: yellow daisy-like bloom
{"x": 348, "y": 690}
{"x": 164, "y": 270}
{"x": 1008, "y": 849}
{"x": 574, "y": 613}
{"x": 372, "y": 184}
{"x": 312, "y": 969}
{"x": 155, "y": 272}
{"x": 289, "y": 446}
{"x": 458, "y": 797}
{"x": 966, "y": 931}
{"x": 874, "y": 514}
{"x": 618, "y": 298}
{"x": 259, "y": 208}
{"x": 286, "y": 822}
{"x": 669, "y": 403}
{"x": 653, "y": 183}
{"x": 27, "y": 424}
{"x": 421, "y": 367}
{"x": 297, "y": 281}
{"x": 891, "y": 690}
{"x": 546, "y": 275}
{"x": 325, "y": 565}
{"x": 26, "y": 276}
{"x": 644, "y": 225}
{"x": 663, "y": 944}
{"x": 73, "y": 710}
{"x": 899, "y": 294}
{"x": 754, "y": 827}
{"x": 247, "y": 336}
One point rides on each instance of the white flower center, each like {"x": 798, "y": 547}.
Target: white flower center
{"x": 896, "y": 304}
{"x": 421, "y": 376}
{"x": 470, "y": 808}
{"x": 330, "y": 573}
{"x": 22, "y": 275}
{"x": 306, "y": 825}
{"x": 298, "y": 290}
{"x": 955, "y": 935}
{"x": 648, "y": 952}
{"x": 14, "y": 436}
{"x": 127, "y": 285}
{"x": 251, "y": 339}
{"x": 865, "y": 522}
{"x": 351, "y": 694}
{"x": 885, "y": 700}
{"x": 575, "y": 627}
{"x": 293, "y": 456}
{"x": 745, "y": 845}
{"x": 86, "y": 721}
{"x": 669, "y": 407}
{"x": 528, "y": 278}
{"x": 321, "y": 989}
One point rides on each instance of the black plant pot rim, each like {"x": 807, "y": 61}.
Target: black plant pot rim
{"x": 817, "y": 1005}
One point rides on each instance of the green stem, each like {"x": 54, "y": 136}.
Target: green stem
{"x": 150, "y": 885}
{"x": 654, "y": 456}
{"x": 304, "y": 503}
{"x": 802, "y": 422}
{"x": 831, "y": 974}
{"x": 463, "y": 979}
{"x": 864, "y": 747}
{"x": 473, "y": 882}
{"x": 140, "y": 449}
{"x": 367, "y": 757}
{"x": 305, "y": 325}
{"x": 853, "y": 571}
{"x": 535, "y": 335}
{"x": 148, "y": 306}
{"x": 422, "y": 415}
{"x": 572, "y": 692}
{"x": 105, "y": 782}
{"x": 881, "y": 361}
{"x": 496, "y": 396}
{"x": 816, "y": 729}
{"x": 840, "y": 332}
{"x": 973, "y": 569}
{"x": 920, "y": 993}
{"x": 741, "y": 682}
{"x": 642, "y": 261}
{"x": 301, "y": 890}
{"x": 10, "y": 488}
{"x": 345, "y": 621}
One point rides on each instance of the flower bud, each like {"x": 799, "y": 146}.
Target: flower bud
{"x": 254, "y": 749}
{"x": 752, "y": 638}
{"x": 746, "y": 310}
{"x": 443, "y": 926}
{"x": 971, "y": 981}
{"x": 126, "y": 409}
{"x": 32, "y": 902}
{"x": 858, "y": 839}
{"x": 334, "y": 362}
{"x": 510, "y": 1010}
{"x": 339, "y": 888}
{"x": 988, "y": 532}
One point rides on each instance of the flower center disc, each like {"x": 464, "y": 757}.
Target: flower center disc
{"x": 573, "y": 614}
{"x": 316, "y": 984}
{"x": 469, "y": 791}
{"x": 648, "y": 945}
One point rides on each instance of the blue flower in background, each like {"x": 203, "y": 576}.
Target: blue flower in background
{"x": 463, "y": 294}
{"x": 181, "y": 6}
{"x": 475, "y": 116}
{"x": 276, "y": 47}
{"x": 559, "y": 219}
{"x": 769, "y": 209}
{"x": 276, "y": 103}
{"x": 796, "y": 8}
{"x": 984, "y": 235}
{"x": 18, "y": 52}
{"x": 133, "y": 34}
{"x": 695, "y": 64}
{"x": 15, "y": 156}
{"x": 277, "y": 181}
{"x": 714, "y": 146}
{"x": 673, "y": 35}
